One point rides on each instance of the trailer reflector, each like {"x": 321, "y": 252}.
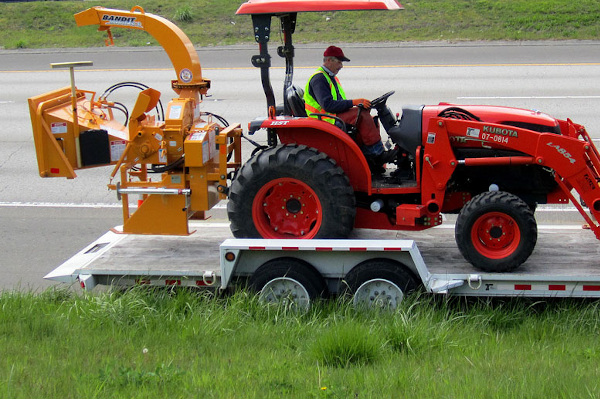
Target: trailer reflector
{"x": 591, "y": 288}
{"x": 522, "y": 287}
{"x": 557, "y": 287}
{"x": 358, "y": 249}
{"x": 87, "y": 282}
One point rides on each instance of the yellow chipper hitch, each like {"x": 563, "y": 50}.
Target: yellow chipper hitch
{"x": 191, "y": 152}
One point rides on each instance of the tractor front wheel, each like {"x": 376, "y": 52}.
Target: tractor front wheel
{"x": 496, "y": 231}
{"x": 291, "y": 191}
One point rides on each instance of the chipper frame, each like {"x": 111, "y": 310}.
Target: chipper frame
{"x": 189, "y": 150}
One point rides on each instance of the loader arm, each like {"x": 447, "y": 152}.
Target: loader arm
{"x": 571, "y": 156}
{"x": 177, "y": 45}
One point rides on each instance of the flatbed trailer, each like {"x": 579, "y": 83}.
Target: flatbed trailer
{"x": 209, "y": 258}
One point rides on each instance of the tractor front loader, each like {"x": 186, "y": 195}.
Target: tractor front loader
{"x": 189, "y": 151}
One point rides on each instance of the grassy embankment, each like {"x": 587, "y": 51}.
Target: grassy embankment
{"x": 159, "y": 344}
{"x": 213, "y": 22}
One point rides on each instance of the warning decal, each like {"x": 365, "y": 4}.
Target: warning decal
{"x": 117, "y": 147}
{"x": 58, "y": 127}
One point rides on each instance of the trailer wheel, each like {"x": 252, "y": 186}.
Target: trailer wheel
{"x": 288, "y": 281}
{"x": 380, "y": 283}
{"x": 291, "y": 191}
{"x": 496, "y": 231}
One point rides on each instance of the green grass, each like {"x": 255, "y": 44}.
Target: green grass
{"x": 190, "y": 344}
{"x": 213, "y": 22}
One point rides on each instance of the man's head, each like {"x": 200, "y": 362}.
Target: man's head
{"x": 333, "y": 57}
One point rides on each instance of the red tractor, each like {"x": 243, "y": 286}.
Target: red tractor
{"x": 491, "y": 165}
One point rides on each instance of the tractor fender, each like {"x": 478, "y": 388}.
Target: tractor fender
{"x": 328, "y": 139}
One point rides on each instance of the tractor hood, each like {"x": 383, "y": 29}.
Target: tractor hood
{"x": 529, "y": 119}
{"x": 292, "y": 6}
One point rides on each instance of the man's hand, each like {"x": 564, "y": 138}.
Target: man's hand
{"x": 366, "y": 103}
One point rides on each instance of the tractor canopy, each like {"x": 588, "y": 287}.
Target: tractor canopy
{"x": 262, "y": 12}
{"x": 293, "y": 6}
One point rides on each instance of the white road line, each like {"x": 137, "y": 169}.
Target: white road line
{"x": 74, "y": 205}
{"x": 221, "y": 205}
{"x": 312, "y": 67}
{"x": 59, "y": 205}
{"x": 208, "y": 224}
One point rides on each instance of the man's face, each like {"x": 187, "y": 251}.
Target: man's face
{"x": 333, "y": 64}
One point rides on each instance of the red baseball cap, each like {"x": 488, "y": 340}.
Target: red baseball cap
{"x": 334, "y": 51}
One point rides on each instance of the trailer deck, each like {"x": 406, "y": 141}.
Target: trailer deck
{"x": 561, "y": 250}
{"x": 557, "y": 268}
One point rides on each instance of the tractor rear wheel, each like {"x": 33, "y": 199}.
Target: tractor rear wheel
{"x": 496, "y": 231}
{"x": 291, "y": 191}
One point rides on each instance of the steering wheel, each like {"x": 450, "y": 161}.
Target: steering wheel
{"x": 381, "y": 99}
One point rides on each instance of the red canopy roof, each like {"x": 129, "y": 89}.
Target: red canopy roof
{"x": 288, "y": 6}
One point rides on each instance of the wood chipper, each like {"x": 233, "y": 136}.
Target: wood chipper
{"x": 191, "y": 152}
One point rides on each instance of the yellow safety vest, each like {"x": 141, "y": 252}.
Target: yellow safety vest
{"x": 311, "y": 105}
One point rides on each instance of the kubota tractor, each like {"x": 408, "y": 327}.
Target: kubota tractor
{"x": 491, "y": 165}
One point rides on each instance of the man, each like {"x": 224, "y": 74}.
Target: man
{"x": 324, "y": 94}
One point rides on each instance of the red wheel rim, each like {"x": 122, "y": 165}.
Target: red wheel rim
{"x": 495, "y": 235}
{"x": 287, "y": 208}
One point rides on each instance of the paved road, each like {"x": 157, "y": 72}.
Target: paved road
{"x": 562, "y": 79}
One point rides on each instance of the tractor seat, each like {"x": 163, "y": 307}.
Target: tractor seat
{"x": 295, "y": 99}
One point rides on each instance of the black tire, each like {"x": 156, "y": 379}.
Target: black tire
{"x": 496, "y": 231}
{"x": 381, "y": 268}
{"x": 291, "y": 191}
{"x": 293, "y": 268}
{"x": 532, "y": 207}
